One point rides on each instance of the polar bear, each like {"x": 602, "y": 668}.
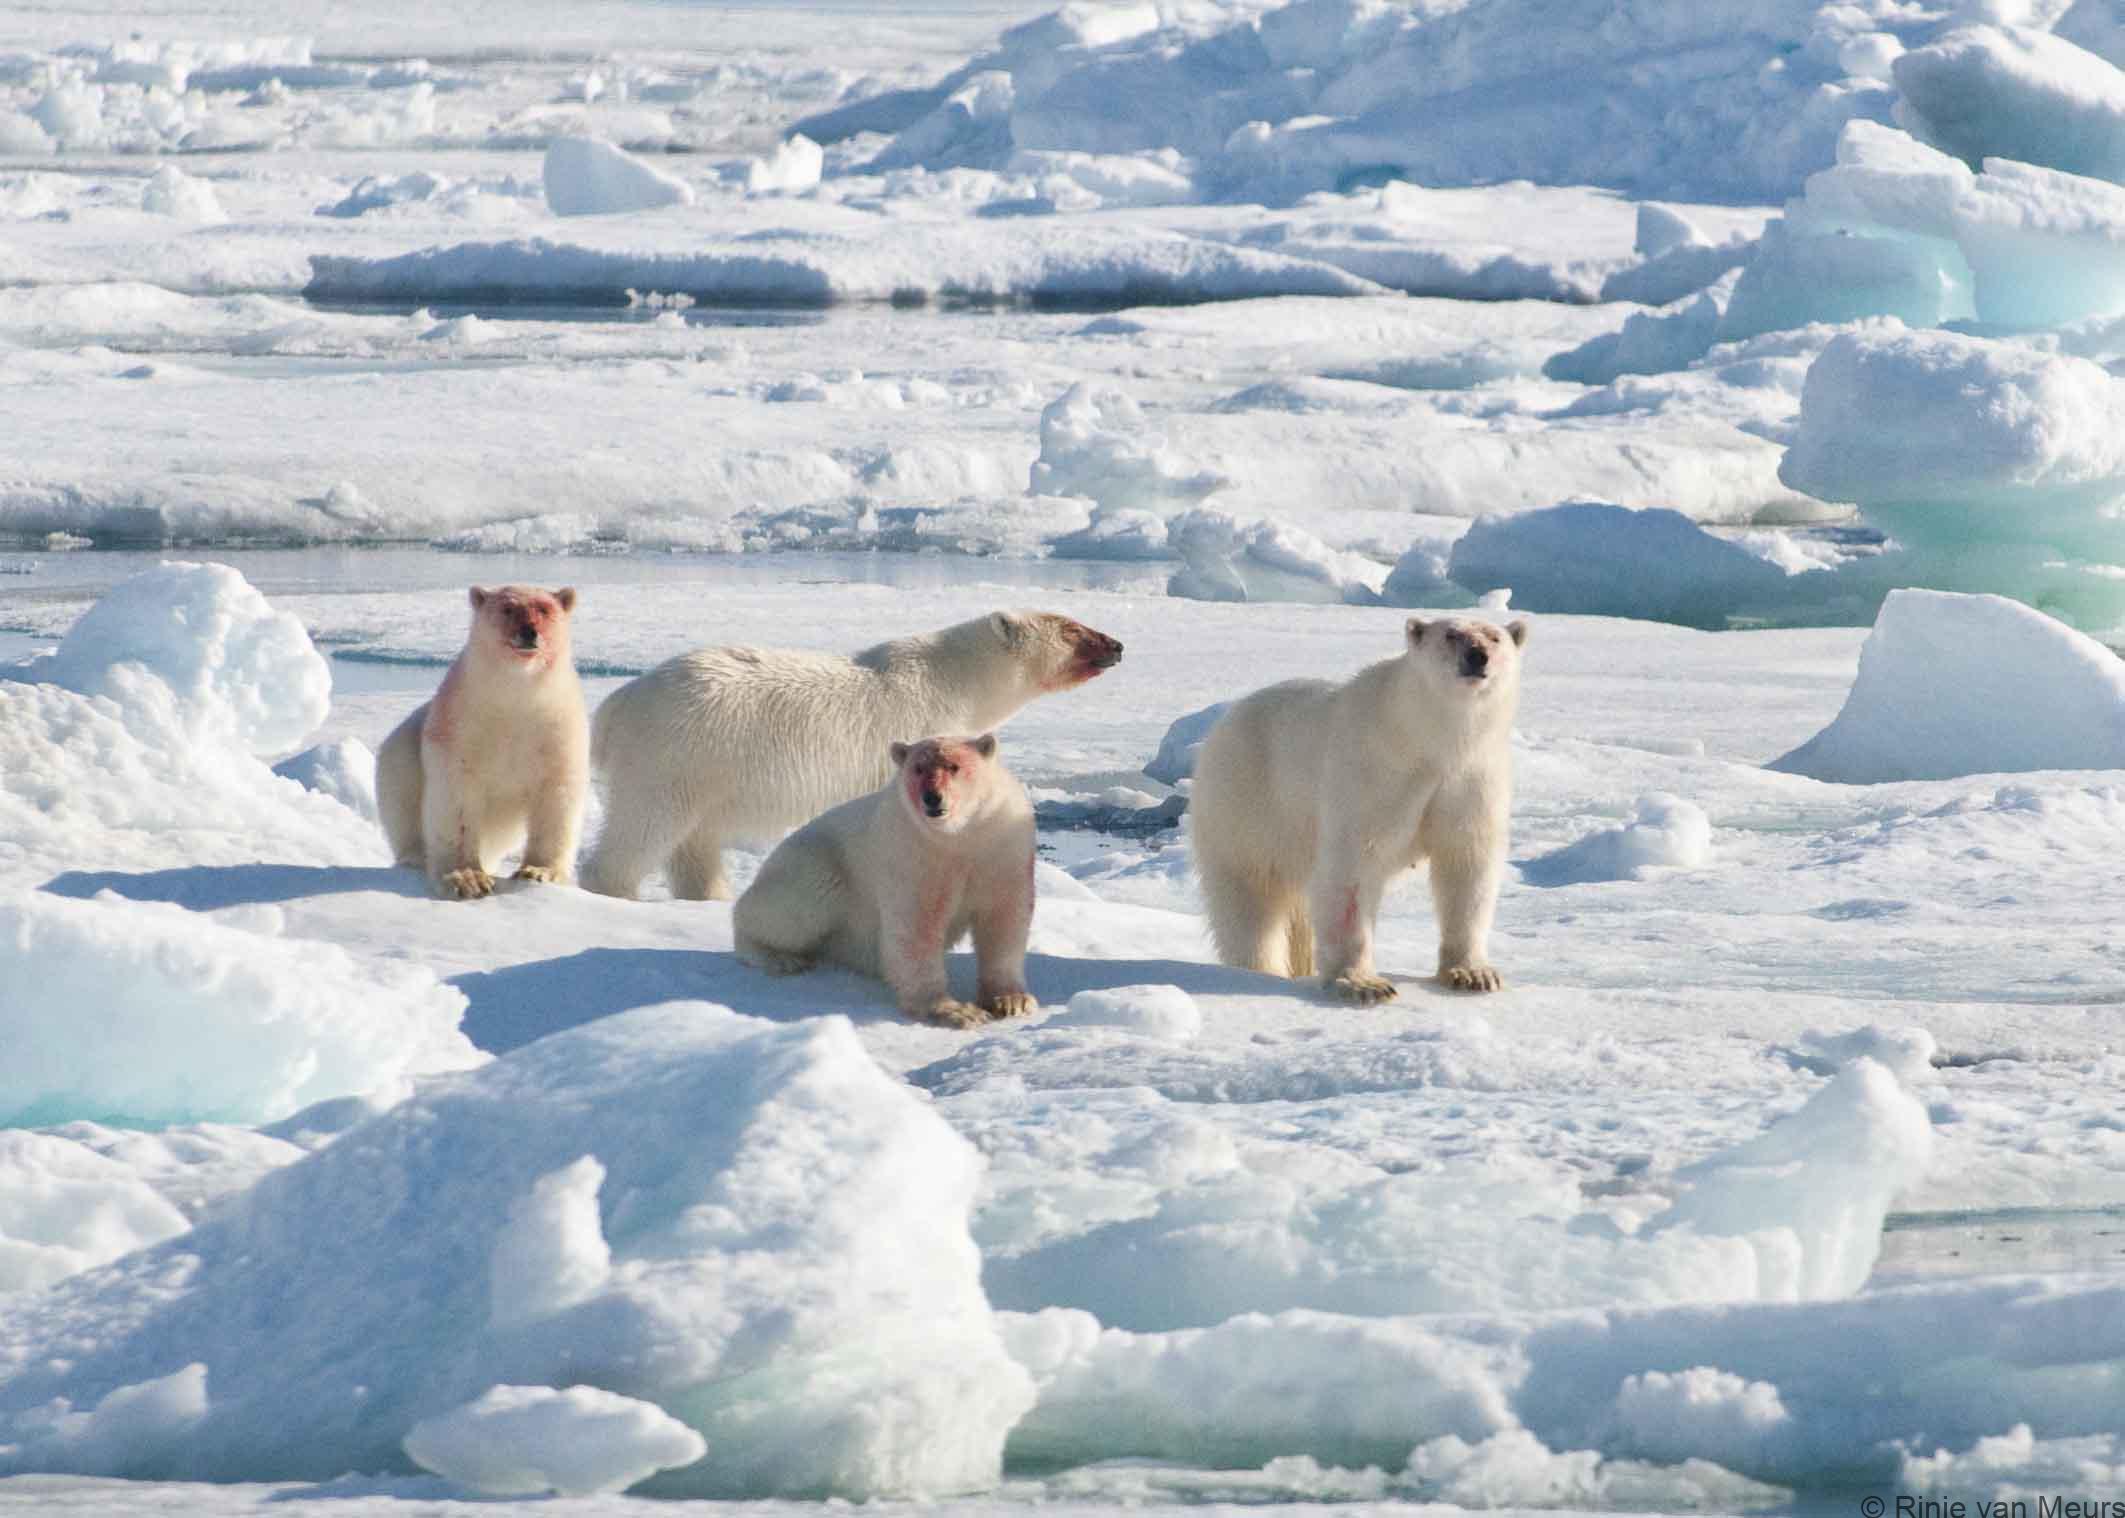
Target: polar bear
{"x": 738, "y": 745}
{"x": 500, "y": 754}
{"x": 1310, "y": 796}
{"x": 889, "y": 882}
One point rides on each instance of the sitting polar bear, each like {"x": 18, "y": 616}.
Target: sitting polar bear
{"x": 888, "y": 883}
{"x": 1310, "y": 796}
{"x": 501, "y": 754}
{"x": 738, "y": 745}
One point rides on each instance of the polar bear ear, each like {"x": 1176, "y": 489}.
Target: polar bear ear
{"x": 1519, "y": 631}
{"x": 566, "y": 595}
{"x": 1416, "y": 626}
{"x": 899, "y": 751}
{"x": 1007, "y": 626}
{"x": 985, "y": 745}
{"x": 480, "y": 593}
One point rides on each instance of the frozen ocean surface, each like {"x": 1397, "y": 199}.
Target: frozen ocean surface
{"x": 1767, "y": 354}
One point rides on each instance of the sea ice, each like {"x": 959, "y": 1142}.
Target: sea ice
{"x": 197, "y": 646}
{"x": 146, "y": 1013}
{"x": 1175, "y": 759}
{"x": 2013, "y": 92}
{"x": 521, "y": 1441}
{"x": 789, "y": 1274}
{"x": 586, "y": 176}
{"x": 1607, "y": 560}
{"x": 1969, "y": 685}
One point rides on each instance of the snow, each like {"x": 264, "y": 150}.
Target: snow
{"x": 1162, "y": 1012}
{"x": 1712, "y": 334}
{"x": 1599, "y": 559}
{"x": 529, "y": 1440}
{"x": 2010, "y": 92}
{"x": 198, "y": 645}
{"x": 588, "y": 177}
{"x": 148, "y": 1013}
{"x": 733, "y": 1295}
{"x": 1665, "y": 832}
{"x": 1970, "y": 685}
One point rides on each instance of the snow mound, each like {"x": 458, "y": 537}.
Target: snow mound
{"x": 1701, "y": 1412}
{"x": 2017, "y": 1466}
{"x": 586, "y": 176}
{"x": 1175, "y": 759}
{"x": 174, "y": 193}
{"x": 1793, "y": 1214}
{"x": 1810, "y": 1192}
{"x": 1229, "y": 558}
{"x": 1999, "y": 441}
{"x": 2010, "y": 92}
{"x": 1598, "y": 559}
{"x": 1897, "y": 228}
{"x": 892, "y": 261}
{"x": 749, "y": 1225}
{"x": 1161, "y": 1012}
{"x": 1278, "y": 101}
{"x": 794, "y": 165}
{"x": 1665, "y": 832}
{"x": 1968, "y": 685}
{"x": 64, "y": 1208}
{"x": 1096, "y": 443}
{"x": 343, "y": 769}
{"x": 521, "y": 1441}
{"x": 197, "y": 647}
{"x": 143, "y": 1012}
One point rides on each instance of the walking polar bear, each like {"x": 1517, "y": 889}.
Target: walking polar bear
{"x": 500, "y": 754}
{"x": 738, "y": 745}
{"x": 888, "y": 883}
{"x": 1310, "y": 796}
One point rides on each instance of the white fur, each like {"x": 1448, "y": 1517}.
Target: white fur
{"x": 501, "y": 755}
{"x": 738, "y": 745}
{"x": 1310, "y": 796}
{"x": 878, "y": 885}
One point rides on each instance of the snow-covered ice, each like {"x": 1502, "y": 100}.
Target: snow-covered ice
{"x": 1785, "y": 1169}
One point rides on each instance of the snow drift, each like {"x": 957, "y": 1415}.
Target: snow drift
{"x": 1968, "y": 685}
{"x": 750, "y": 1226}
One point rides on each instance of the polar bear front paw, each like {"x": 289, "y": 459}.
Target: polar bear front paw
{"x": 1476, "y": 977}
{"x": 1009, "y": 1004}
{"x": 1363, "y": 988}
{"x": 468, "y": 884}
{"x": 947, "y": 1013}
{"x": 544, "y": 874}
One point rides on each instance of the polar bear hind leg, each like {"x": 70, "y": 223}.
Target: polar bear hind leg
{"x": 1257, "y": 924}
{"x": 793, "y": 907}
{"x": 695, "y": 868}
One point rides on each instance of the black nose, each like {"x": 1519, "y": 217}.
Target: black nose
{"x": 933, "y": 803}
{"x": 527, "y": 637}
{"x": 1475, "y": 662}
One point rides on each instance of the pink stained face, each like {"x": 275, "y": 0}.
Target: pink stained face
{"x": 525, "y": 621}
{"x": 1092, "y": 653}
{"x": 932, "y": 773}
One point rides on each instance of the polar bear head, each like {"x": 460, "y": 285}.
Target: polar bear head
{"x": 1052, "y": 651}
{"x": 1476, "y": 659}
{"x": 522, "y": 625}
{"x": 945, "y": 783}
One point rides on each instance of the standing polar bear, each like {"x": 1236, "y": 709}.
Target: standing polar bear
{"x": 887, "y": 883}
{"x": 501, "y": 753}
{"x": 738, "y": 745}
{"x": 1310, "y": 796}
